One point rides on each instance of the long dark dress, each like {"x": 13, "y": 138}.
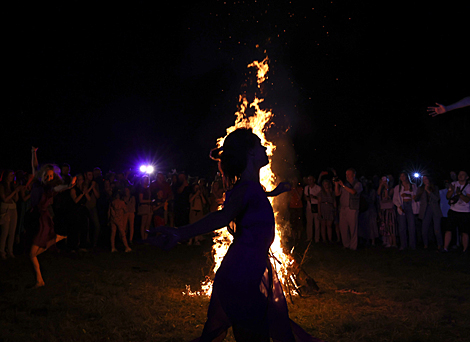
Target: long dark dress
{"x": 246, "y": 292}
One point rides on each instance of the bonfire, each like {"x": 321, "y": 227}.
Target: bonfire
{"x": 287, "y": 269}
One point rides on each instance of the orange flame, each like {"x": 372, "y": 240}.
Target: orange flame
{"x": 258, "y": 122}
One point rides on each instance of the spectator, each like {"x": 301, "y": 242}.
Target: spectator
{"x": 453, "y": 176}
{"x": 205, "y": 193}
{"x": 171, "y": 204}
{"x": 403, "y": 196}
{"x": 79, "y": 235}
{"x": 107, "y": 190}
{"x": 116, "y": 214}
{"x": 326, "y": 209}
{"x": 9, "y": 195}
{"x": 458, "y": 195}
{"x": 24, "y": 206}
{"x": 391, "y": 182}
{"x": 130, "y": 212}
{"x": 445, "y": 206}
{"x": 216, "y": 197}
{"x": 387, "y": 215}
{"x": 348, "y": 193}
{"x": 130, "y": 176}
{"x": 144, "y": 206}
{"x": 102, "y": 202}
{"x": 182, "y": 201}
{"x": 311, "y": 192}
{"x": 196, "y": 211}
{"x": 159, "y": 209}
{"x": 91, "y": 205}
{"x": 65, "y": 173}
{"x": 121, "y": 181}
{"x": 367, "y": 226}
{"x": 429, "y": 210}
{"x": 97, "y": 175}
{"x": 63, "y": 205}
{"x": 160, "y": 184}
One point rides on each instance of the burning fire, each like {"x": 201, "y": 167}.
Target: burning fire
{"x": 258, "y": 122}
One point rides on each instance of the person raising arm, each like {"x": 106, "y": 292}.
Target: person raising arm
{"x": 441, "y": 109}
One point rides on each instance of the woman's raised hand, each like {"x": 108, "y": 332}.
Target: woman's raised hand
{"x": 438, "y": 109}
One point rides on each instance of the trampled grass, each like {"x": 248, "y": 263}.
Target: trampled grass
{"x": 373, "y": 294}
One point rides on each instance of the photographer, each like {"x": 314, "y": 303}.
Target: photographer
{"x": 349, "y": 207}
{"x": 458, "y": 195}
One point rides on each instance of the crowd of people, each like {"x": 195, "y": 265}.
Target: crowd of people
{"x": 90, "y": 209}
{"x": 380, "y": 211}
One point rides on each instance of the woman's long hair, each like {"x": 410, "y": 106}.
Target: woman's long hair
{"x": 4, "y": 180}
{"x": 432, "y": 184}
{"x": 400, "y": 183}
{"x": 57, "y": 180}
{"x": 233, "y": 155}
{"x": 326, "y": 181}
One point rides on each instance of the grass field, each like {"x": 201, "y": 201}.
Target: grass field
{"x": 372, "y": 294}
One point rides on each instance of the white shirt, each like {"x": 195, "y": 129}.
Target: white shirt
{"x": 398, "y": 199}
{"x": 461, "y": 206}
{"x": 314, "y": 191}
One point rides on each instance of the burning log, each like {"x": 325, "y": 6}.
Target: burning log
{"x": 299, "y": 280}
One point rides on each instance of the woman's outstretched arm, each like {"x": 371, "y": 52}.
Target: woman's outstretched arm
{"x": 171, "y": 236}
{"x": 281, "y": 188}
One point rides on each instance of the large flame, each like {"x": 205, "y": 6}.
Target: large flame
{"x": 258, "y": 122}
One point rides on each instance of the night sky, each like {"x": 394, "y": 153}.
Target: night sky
{"x": 111, "y": 85}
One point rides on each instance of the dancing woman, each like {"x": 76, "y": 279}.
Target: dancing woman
{"x": 50, "y": 185}
{"x": 246, "y": 293}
